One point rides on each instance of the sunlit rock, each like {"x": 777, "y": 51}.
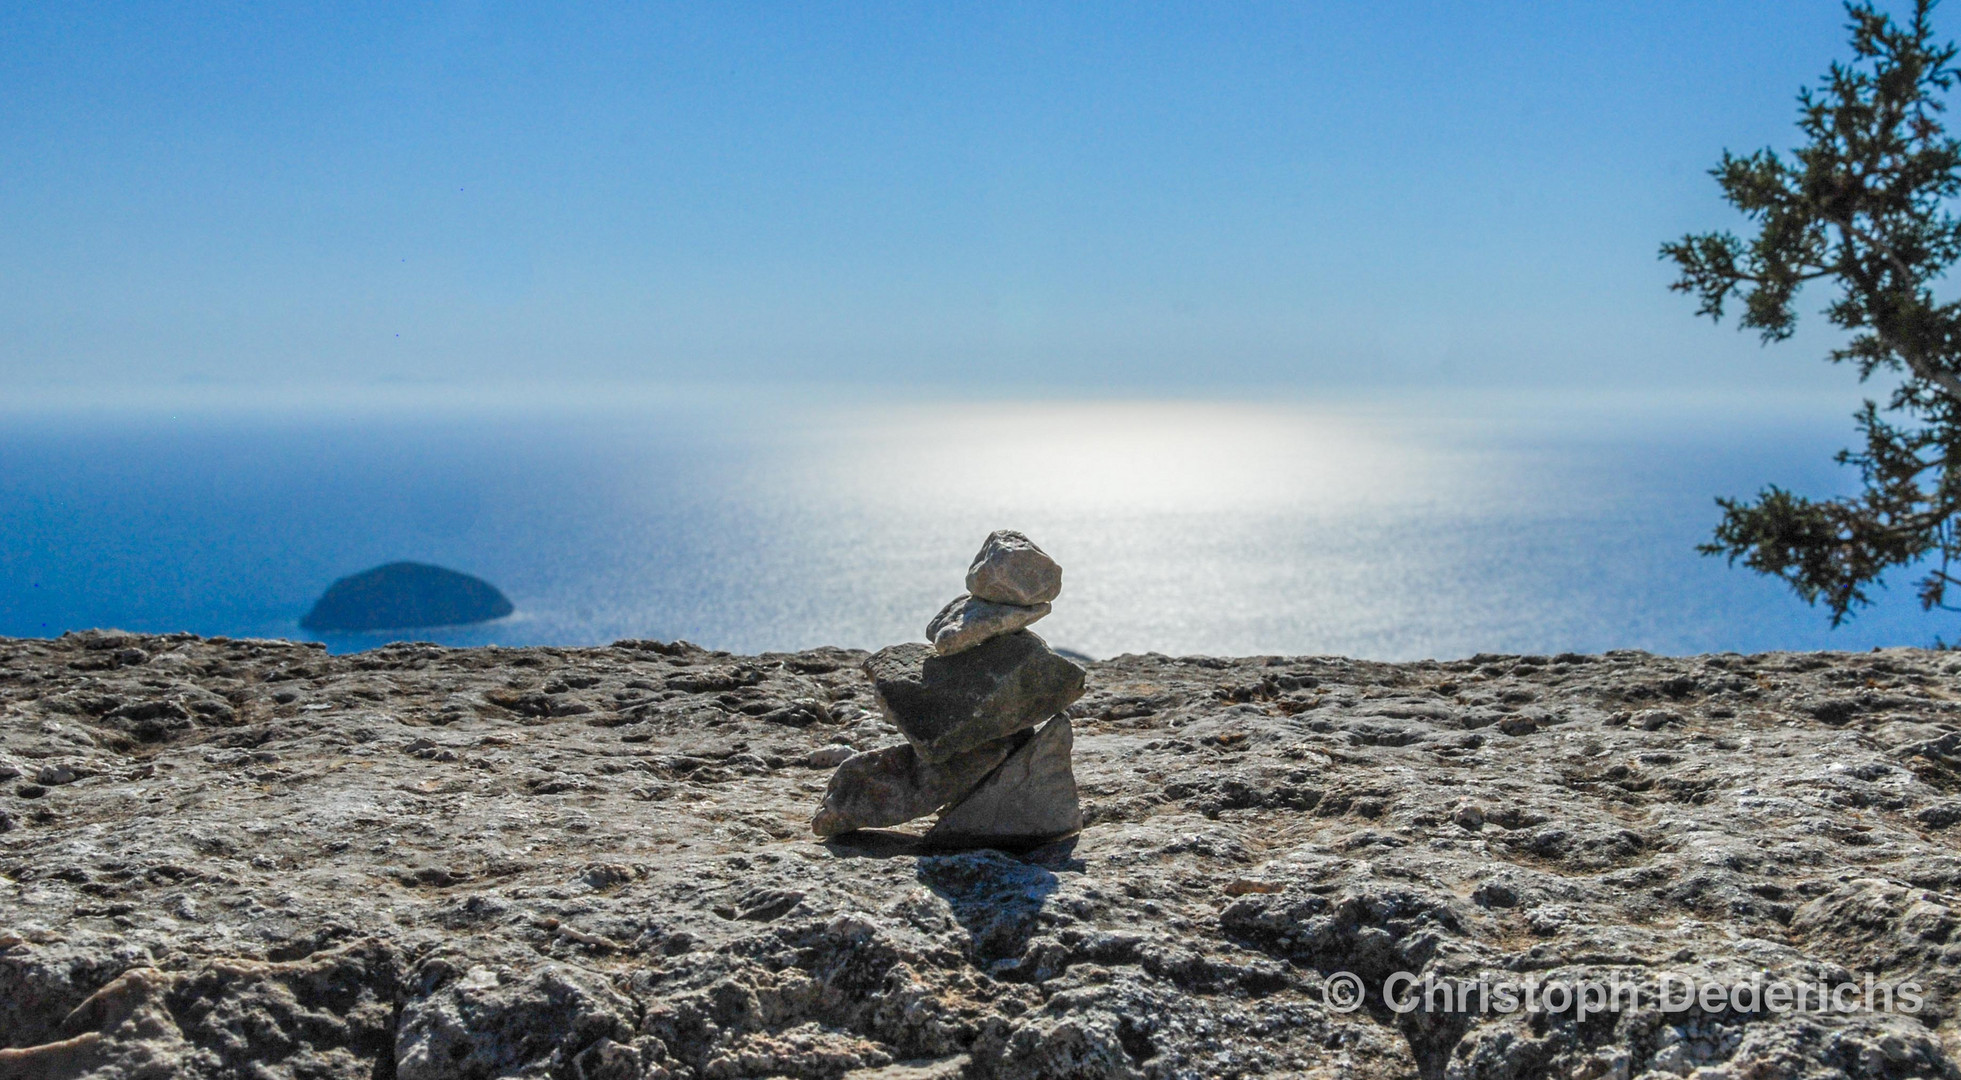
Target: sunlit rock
{"x": 1010, "y": 569}
{"x": 967, "y": 621}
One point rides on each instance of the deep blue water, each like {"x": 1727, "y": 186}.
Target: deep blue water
{"x": 1358, "y": 528}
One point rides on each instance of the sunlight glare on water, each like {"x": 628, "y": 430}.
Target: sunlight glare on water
{"x": 1128, "y": 459}
{"x": 1373, "y": 530}
{"x": 1180, "y": 524}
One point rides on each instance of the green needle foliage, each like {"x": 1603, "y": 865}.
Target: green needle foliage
{"x": 1863, "y": 206}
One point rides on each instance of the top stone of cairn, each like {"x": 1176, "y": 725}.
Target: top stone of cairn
{"x": 1010, "y": 569}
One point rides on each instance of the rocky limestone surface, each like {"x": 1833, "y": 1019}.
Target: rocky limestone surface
{"x": 249, "y": 858}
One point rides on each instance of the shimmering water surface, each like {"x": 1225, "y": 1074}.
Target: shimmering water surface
{"x": 1361, "y": 528}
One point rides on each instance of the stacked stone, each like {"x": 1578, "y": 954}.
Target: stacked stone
{"x": 969, "y": 705}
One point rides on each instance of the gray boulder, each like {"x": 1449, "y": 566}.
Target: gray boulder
{"x": 892, "y": 786}
{"x": 967, "y": 621}
{"x": 1010, "y": 569}
{"x": 1029, "y": 800}
{"x": 945, "y": 705}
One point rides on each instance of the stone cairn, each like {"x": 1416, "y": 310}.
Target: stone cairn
{"x": 969, "y": 705}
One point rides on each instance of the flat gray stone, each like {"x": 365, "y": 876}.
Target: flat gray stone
{"x": 1030, "y": 800}
{"x": 1010, "y": 569}
{"x": 968, "y": 620}
{"x": 945, "y": 705}
{"x": 892, "y": 786}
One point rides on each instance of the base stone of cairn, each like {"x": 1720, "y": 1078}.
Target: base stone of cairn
{"x": 893, "y": 786}
{"x": 1029, "y": 799}
{"x": 968, "y": 705}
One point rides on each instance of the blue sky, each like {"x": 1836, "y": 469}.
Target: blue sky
{"x": 1113, "y": 197}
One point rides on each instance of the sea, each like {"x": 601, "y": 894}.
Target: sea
{"x": 1369, "y": 525}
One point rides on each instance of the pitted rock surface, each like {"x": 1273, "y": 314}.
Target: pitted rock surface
{"x": 415, "y": 861}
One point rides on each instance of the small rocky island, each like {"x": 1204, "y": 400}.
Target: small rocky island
{"x": 405, "y": 596}
{"x": 227, "y": 858}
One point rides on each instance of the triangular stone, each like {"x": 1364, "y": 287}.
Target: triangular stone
{"x": 1029, "y": 800}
